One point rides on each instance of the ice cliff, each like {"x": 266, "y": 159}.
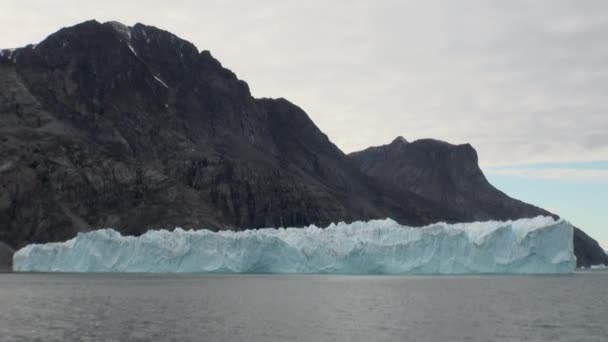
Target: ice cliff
{"x": 538, "y": 245}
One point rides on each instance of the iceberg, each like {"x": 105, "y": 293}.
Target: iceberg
{"x": 537, "y": 245}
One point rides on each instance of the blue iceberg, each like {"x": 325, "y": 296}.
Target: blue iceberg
{"x": 538, "y": 245}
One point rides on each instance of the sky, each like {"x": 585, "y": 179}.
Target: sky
{"x": 523, "y": 81}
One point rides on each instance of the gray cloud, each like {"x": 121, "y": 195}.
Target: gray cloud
{"x": 522, "y": 81}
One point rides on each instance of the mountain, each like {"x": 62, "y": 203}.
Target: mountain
{"x": 449, "y": 176}
{"x": 6, "y": 255}
{"x": 104, "y": 125}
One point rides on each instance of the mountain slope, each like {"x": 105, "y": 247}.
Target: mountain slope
{"x": 105, "y": 125}
{"x": 449, "y": 176}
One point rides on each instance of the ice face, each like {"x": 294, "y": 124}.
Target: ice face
{"x": 539, "y": 245}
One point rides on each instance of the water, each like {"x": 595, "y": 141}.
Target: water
{"x": 117, "y": 307}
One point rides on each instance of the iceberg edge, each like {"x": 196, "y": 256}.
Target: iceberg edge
{"x": 539, "y": 245}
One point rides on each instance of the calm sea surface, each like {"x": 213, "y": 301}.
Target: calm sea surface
{"x": 118, "y": 307}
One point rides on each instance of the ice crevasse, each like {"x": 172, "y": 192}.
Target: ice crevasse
{"x": 537, "y": 245}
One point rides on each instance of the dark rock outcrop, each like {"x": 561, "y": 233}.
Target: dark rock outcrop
{"x": 6, "y": 257}
{"x": 588, "y": 251}
{"x": 449, "y": 176}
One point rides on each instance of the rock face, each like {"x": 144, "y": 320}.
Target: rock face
{"x": 104, "y": 125}
{"x": 6, "y": 257}
{"x": 449, "y": 176}
{"x": 588, "y": 251}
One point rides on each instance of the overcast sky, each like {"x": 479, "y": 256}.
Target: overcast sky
{"x": 523, "y": 81}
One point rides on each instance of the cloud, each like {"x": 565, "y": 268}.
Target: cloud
{"x": 594, "y": 171}
{"x": 522, "y": 81}
{"x": 568, "y": 174}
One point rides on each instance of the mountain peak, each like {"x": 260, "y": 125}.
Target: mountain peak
{"x": 399, "y": 140}
{"x": 121, "y": 28}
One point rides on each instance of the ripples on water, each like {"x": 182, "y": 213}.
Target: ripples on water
{"x": 117, "y": 307}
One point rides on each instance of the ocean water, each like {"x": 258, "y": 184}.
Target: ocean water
{"x": 127, "y": 307}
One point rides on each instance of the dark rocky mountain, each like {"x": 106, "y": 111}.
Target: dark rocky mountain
{"x": 449, "y": 176}
{"x": 103, "y": 125}
{"x": 6, "y": 255}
